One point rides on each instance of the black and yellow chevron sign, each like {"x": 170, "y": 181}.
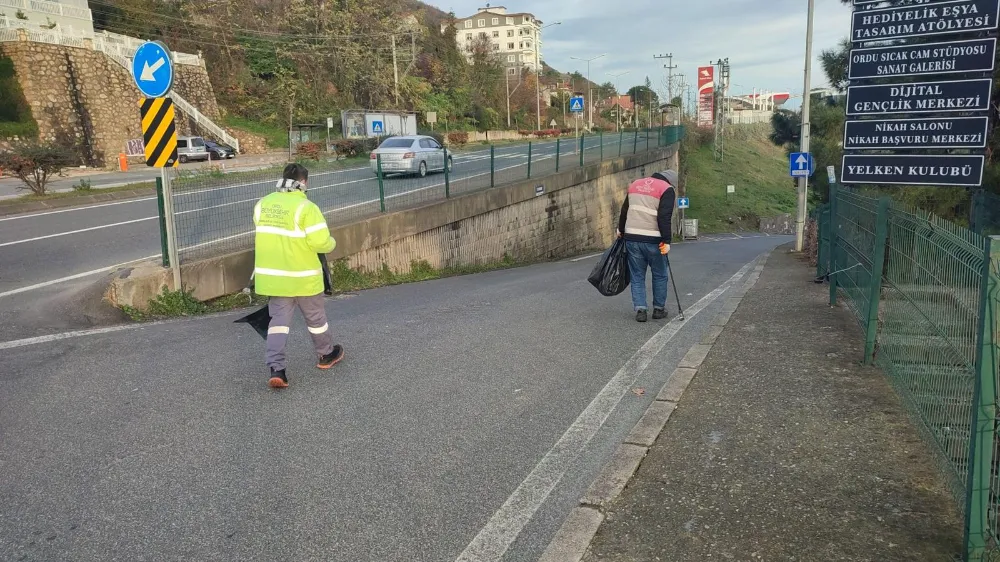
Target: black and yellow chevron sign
{"x": 158, "y": 132}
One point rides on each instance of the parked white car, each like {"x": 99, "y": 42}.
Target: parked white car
{"x": 412, "y": 154}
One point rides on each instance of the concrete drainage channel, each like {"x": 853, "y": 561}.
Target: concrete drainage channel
{"x": 574, "y": 537}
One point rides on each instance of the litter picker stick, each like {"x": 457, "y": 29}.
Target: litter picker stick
{"x": 677, "y": 295}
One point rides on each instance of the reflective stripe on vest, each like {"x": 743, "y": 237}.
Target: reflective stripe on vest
{"x": 284, "y": 273}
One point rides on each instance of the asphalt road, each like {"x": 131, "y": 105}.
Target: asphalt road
{"x": 163, "y": 443}
{"x": 56, "y": 246}
{"x": 11, "y": 187}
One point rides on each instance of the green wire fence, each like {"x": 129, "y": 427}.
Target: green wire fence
{"x": 925, "y": 292}
{"x": 213, "y": 212}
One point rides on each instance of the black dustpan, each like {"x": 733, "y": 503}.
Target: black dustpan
{"x": 258, "y": 320}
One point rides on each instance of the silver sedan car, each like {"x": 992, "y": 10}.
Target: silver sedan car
{"x": 413, "y": 154}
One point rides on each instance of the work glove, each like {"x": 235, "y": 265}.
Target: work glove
{"x": 664, "y": 248}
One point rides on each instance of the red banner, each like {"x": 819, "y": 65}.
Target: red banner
{"x": 706, "y": 96}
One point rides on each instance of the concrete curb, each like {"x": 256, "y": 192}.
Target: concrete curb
{"x": 574, "y": 537}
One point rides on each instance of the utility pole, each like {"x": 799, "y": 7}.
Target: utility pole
{"x": 538, "y": 75}
{"x": 590, "y": 91}
{"x": 800, "y": 218}
{"x": 670, "y": 66}
{"x": 395, "y": 69}
{"x": 720, "y": 120}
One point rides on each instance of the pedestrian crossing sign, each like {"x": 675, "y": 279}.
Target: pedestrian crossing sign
{"x": 576, "y": 104}
{"x": 377, "y": 127}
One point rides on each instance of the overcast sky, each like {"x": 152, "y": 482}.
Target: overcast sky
{"x": 763, "y": 39}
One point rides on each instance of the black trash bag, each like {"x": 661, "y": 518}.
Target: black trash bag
{"x": 611, "y": 276}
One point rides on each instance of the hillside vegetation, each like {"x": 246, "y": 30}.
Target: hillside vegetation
{"x": 305, "y": 60}
{"x": 757, "y": 168}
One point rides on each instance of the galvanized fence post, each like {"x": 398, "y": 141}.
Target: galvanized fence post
{"x": 447, "y": 176}
{"x": 601, "y": 138}
{"x": 557, "y": 154}
{"x": 977, "y": 521}
{"x": 381, "y": 176}
{"x": 833, "y": 244}
{"x": 493, "y": 165}
{"x": 875, "y": 284}
{"x": 581, "y": 149}
{"x": 621, "y": 139}
{"x": 635, "y": 142}
{"x": 164, "y": 249}
{"x": 529, "y": 160}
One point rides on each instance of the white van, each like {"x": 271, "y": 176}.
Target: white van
{"x": 191, "y": 148}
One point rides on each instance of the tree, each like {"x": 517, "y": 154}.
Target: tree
{"x": 643, "y": 95}
{"x": 35, "y": 163}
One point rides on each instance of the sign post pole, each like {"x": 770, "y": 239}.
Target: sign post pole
{"x": 171, "y": 227}
{"x": 801, "y": 208}
{"x": 153, "y": 72}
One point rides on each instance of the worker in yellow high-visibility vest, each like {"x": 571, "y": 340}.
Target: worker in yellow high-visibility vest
{"x": 290, "y": 232}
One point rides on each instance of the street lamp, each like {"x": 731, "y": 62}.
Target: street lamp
{"x": 538, "y": 75}
{"x": 619, "y": 95}
{"x": 590, "y": 92}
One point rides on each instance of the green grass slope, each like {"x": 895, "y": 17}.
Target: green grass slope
{"x": 757, "y": 168}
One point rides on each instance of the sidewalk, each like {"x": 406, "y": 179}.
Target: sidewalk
{"x": 784, "y": 447}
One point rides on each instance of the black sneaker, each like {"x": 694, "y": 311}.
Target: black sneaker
{"x": 640, "y": 315}
{"x": 278, "y": 379}
{"x": 659, "y": 314}
{"x": 332, "y": 359}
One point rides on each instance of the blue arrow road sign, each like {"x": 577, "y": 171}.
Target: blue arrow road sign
{"x": 152, "y": 69}
{"x": 576, "y": 104}
{"x": 800, "y": 164}
{"x": 377, "y": 127}
{"x": 683, "y": 203}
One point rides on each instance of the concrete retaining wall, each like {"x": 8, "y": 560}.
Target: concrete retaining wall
{"x": 781, "y": 224}
{"x": 577, "y": 210}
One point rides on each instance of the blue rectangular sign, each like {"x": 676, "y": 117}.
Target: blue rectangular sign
{"x": 800, "y": 164}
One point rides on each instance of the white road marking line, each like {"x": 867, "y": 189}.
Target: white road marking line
{"x": 493, "y": 541}
{"x": 79, "y": 333}
{"x": 75, "y": 231}
{"x": 587, "y": 257}
{"x": 72, "y": 277}
{"x": 18, "y": 217}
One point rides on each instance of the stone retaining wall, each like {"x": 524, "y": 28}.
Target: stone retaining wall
{"x": 82, "y": 98}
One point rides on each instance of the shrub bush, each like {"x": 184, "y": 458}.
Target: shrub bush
{"x": 309, "y": 150}
{"x": 458, "y": 138}
{"x": 34, "y": 163}
{"x": 524, "y": 134}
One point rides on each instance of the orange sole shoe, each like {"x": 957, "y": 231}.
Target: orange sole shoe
{"x": 329, "y": 365}
{"x": 276, "y": 382}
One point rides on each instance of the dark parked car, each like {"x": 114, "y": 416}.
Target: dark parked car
{"x": 218, "y": 151}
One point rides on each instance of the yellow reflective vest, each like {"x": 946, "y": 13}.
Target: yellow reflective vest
{"x": 290, "y": 232}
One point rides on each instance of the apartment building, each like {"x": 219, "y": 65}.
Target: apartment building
{"x": 516, "y": 38}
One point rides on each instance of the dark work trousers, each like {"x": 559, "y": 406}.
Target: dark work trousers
{"x": 281, "y": 310}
